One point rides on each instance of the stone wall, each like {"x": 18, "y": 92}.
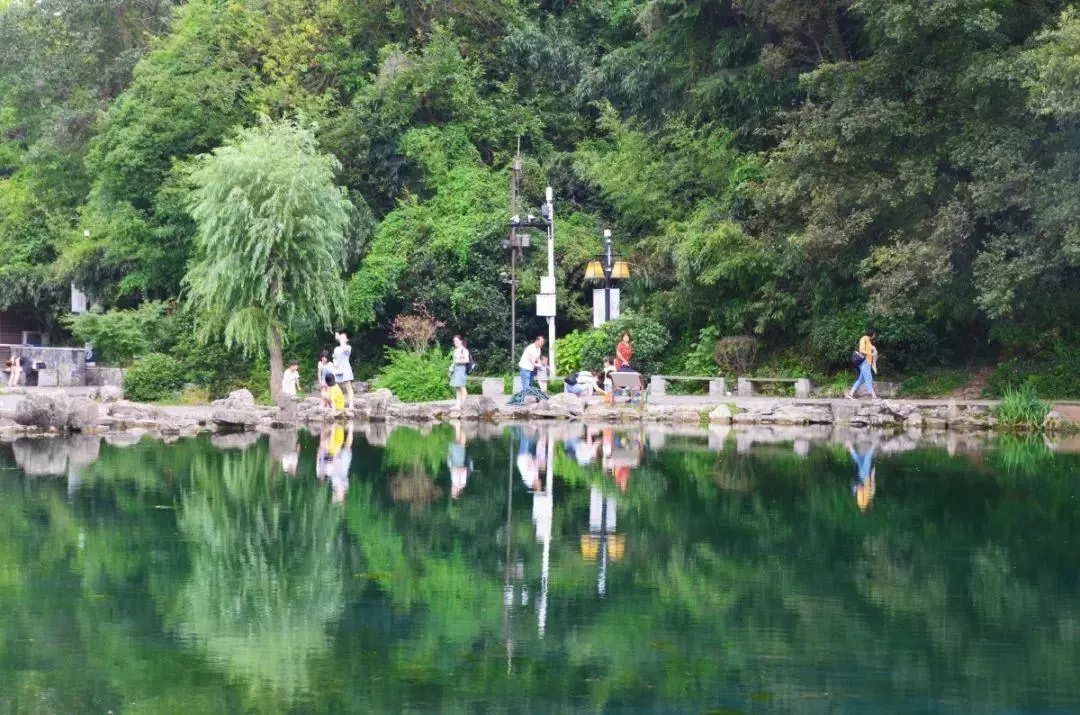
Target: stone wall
{"x": 101, "y": 376}
{"x": 64, "y": 367}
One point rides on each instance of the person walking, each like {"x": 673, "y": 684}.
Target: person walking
{"x": 459, "y": 369}
{"x": 529, "y": 359}
{"x": 867, "y": 366}
{"x": 343, "y": 374}
{"x": 624, "y": 351}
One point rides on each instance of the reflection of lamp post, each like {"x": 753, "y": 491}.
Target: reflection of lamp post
{"x": 602, "y": 542}
{"x": 608, "y": 268}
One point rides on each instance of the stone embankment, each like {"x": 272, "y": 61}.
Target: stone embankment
{"x": 59, "y": 412}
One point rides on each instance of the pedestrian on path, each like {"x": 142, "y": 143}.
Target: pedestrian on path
{"x": 530, "y": 356}
{"x": 459, "y": 369}
{"x": 866, "y": 357}
{"x": 343, "y": 374}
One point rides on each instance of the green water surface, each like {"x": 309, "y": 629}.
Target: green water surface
{"x": 528, "y": 570}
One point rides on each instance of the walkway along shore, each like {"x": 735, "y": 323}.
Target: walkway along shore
{"x": 101, "y": 410}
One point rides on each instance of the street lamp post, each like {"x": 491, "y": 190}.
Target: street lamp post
{"x": 607, "y": 268}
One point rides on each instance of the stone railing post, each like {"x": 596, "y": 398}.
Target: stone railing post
{"x": 717, "y": 387}
{"x": 657, "y": 386}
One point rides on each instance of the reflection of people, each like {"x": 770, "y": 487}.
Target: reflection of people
{"x": 864, "y": 485}
{"x": 459, "y": 462}
{"x": 335, "y": 459}
{"x": 526, "y": 461}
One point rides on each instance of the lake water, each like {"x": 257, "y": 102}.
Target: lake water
{"x": 524, "y": 570}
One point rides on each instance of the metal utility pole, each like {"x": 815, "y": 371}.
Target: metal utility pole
{"x": 608, "y": 265}
{"x": 515, "y": 249}
{"x": 549, "y": 214}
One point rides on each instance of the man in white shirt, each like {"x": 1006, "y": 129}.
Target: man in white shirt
{"x": 529, "y": 358}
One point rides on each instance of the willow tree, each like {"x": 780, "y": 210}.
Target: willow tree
{"x": 270, "y": 244}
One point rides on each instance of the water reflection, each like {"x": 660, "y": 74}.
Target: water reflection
{"x": 865, "y": 483}
{"x": 558, "y": 567}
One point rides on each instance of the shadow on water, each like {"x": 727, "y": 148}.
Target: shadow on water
{"x": 539, "y": 567}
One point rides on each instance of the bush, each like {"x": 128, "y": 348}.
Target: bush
{"x": 1021, "y": 408}
{"x": 904, "y": 342}
{"x": 153, "y": 377}
{"x": 1055, "y": 373}
{"x": 701, "y": 358}
{"x": 735, "y": 355}
{"x": 416, "y": 376}
{"x": 934, "y": 383}
{"x": 649, "y": 338}
{"x": 120, "y": 336}
{"x": 569, "y": 349}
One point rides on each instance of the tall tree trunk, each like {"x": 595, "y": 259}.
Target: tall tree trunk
{"x": 277, "y": 368}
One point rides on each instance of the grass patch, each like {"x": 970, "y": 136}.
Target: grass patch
{"x": 1021, "y": 409}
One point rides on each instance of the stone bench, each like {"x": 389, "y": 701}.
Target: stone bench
{"x": 747, "y": 386}
{"x": 658, "y": 384}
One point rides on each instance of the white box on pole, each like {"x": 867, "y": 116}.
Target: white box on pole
{"x": 547, "y": 285}
{"x": 598, "y": 306}
{"x": 545, "y": 305}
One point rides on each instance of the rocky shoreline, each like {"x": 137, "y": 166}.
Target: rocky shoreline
{"x": 106, "y": 412}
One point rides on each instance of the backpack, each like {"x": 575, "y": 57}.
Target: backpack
{"x": 857, "y": 358}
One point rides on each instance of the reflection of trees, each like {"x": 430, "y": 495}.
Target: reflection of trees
{"x": 265, "y": 580}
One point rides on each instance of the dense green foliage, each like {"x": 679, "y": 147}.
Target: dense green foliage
{"x": 783, "y": 169}
{"x": 416, "y": 376}
{"x": 153, "y": 377}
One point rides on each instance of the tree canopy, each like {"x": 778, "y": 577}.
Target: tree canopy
{"x": 767, "y": 167}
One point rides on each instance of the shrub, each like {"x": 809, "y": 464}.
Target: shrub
{"x": 416, "y": 376}
{"x": 649, "y": 338}
{"x": 735, "y": 355}
{"x": 569, "y": 350}
{"x": 153, "y": 377}
{"x": 120, "y": 336}
{"x": 903, "y": 342}
{"x": 416, "y": 330}
{"x": 1055, "y": 373}
{"x": 701, "y": 359}
{"x": 1021, "y": 408}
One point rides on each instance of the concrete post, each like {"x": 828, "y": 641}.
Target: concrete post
{"x": 746, "y": 388}
{"x": 657, "y": 386}
{"x": 717, "y": 387}
{"x": 492, "y": 386}
{"x": 802, "y": 387}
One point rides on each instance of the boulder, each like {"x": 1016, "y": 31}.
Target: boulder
{"x": 182, "y": 427}
{"x": 236, "y": 410}
{"x": 672, "y": 413}
{"x": 110, "y": 393}
{"x": 720, "y": 415}
{"x": 235, "y": 418}
{"x": 573, "y": 404}
{"x": 411, "y": 411}
{"x": 237, "y": 400}
{"x": 373, "y": 406}
{"x": 127, "y": 411}
{"x": 483, "y": 408}
{"x": 63, "y": 413}
{"x": 312, "y": 409}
